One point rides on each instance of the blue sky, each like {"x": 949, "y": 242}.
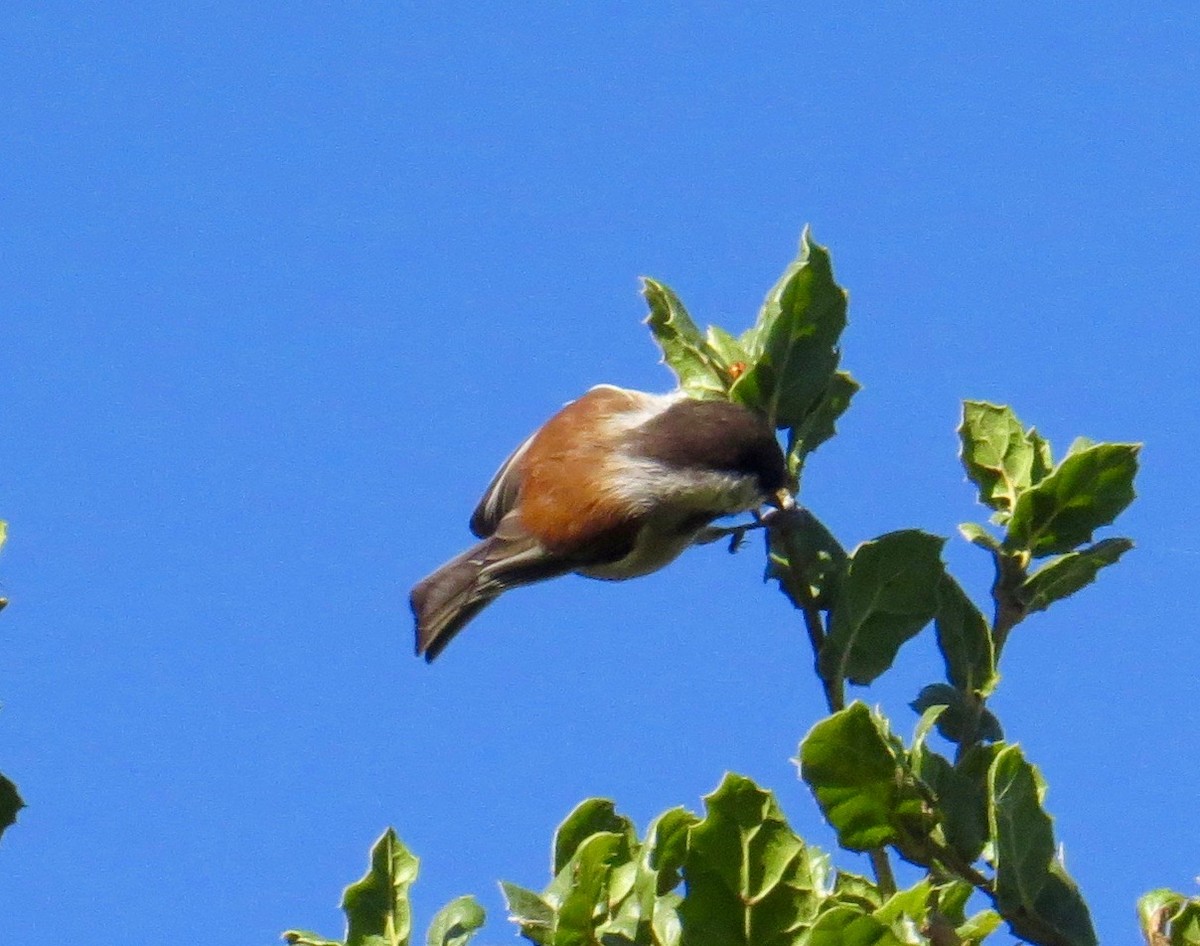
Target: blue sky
{"x": 282, "y": 288}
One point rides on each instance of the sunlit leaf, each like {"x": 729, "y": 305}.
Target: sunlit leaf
{"x": 456, "y": 923}
{"x": 1089, "y": 489}
{"x": 377, "y": 905}
{"x": 999, "y": 456}
{"x": 666, "y": 845}
{"x": 793, "y": 347}
{"x": 849, "y": 763}
{"x": 533, "y": 915}
{"x": 889, "y": 593}
{"x": 750, "y": 879}
{"x": 589, "y": 817}
{"x": 1062, "y": 577}
{"x": 819, "y": 425}
{"x": 685, "y": 350}
{"x": 846, "y": 925}
{"x": 586, "y": 889}
{"x": 1033, "y": 892}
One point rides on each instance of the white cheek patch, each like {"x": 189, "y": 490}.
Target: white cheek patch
{"x": 649, "y": 484}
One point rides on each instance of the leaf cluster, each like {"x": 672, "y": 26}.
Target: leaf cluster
{"x": 972, "y": 816}
{"x": 377, "y": 908}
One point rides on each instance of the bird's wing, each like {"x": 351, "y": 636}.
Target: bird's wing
{"x": 500, "y": 497}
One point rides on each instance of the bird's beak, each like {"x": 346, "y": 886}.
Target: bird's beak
{"x": 782, "y": 499}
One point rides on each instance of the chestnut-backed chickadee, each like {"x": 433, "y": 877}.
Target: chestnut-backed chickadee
{"x": 615, "y": 485}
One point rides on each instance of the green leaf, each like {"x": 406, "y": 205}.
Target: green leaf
{"x": 962, "y": 796}
{"x": 666, "y": 846}
{"x": 976, "y": 534}
{"x": 1000, "y": 457}
{"x": 1043, "y": 460}
{"x": 846, "y": 925}
{"x": 1033, "y": 892}
{"x": 533, "y": 915}
{"x": 964, "y": 720}
{"x": 1079, "y": 444}
{"x": 750, "y": 879}
{"x": 585, "y": 892}
{"x": 857, "y": 890}
{"x": 377, "y": 905}
{"x": 10, "y": 804}
{"x": 455, "y": 924}
{"x": 912, "y": 903}
{"x": 889, "y": 593}
{"x": 685, "y": 350}
{"x": 1089, "y": 489}
{"x": 979, "y": 927}
{"x": 1063, "y": 576}
{"x": 593, "y": 816}
{"x": 820, "y": 561}
{"x": 849, "y": 764}
{"x": 664, "y": 923}
{"x": 1169, "y": 919}
{"x": 965, "y": 640}
{"x": 819, "y": 425}
{"x": 794, "y": 344}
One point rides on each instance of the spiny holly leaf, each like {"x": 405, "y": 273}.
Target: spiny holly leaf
{"x": 750, "y": 879}
{"x": 1000, "y": 457}
{"x": 1089, "y": 489}
{"x": 819, "y": 424}
{"x": 10, "y": 804}
{"x": 1064, "y": 576}
{"x": 533, "y": 915}
{"x": 889, "y": 593}
{"x": 589, "y": 817}
{"x": 377, "y": 905}
{"x": 965, "y": 640}
{"x": 1033, "y": 892}
{"x": 697, "y": 365}
{"x": 455, "y": 924}
{"x": 849, "y": 763}
{"x": 793, "y": 347}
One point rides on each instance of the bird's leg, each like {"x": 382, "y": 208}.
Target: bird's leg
{"x": 735, "y": 534}
{"x": 763, "y": 519}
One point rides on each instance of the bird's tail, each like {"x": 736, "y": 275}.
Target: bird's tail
{"x": 443, "y": 603}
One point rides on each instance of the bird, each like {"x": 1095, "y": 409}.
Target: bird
{"x": 615, "y": 485}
